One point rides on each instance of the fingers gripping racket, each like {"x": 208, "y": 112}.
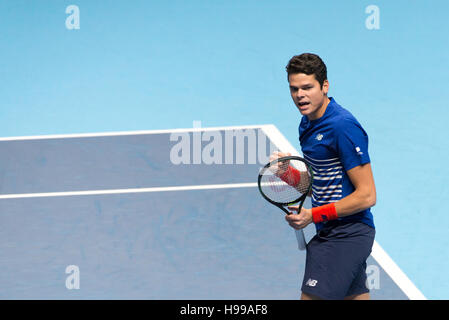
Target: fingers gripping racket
{"x": 284, "y": 182}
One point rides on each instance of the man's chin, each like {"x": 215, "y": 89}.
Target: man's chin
{"x": 304, "y": 112}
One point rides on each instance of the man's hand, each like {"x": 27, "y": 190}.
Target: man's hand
{"x": 301, "y": 220}
{"x": 277, "y": 154}
{"x": 280, "y": 168}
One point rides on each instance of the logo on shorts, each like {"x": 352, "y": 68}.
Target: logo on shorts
{"x": 311, "y": 283}
{"x": 319, "y": 137}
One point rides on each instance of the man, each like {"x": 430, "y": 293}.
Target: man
{"x": 336, "y": 146}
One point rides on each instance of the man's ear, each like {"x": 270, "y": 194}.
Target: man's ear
{"x": 325, "y": 87}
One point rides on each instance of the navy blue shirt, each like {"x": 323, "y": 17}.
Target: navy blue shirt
{"x": 334, "y": 144}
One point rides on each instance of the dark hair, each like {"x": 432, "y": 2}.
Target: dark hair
{"x": 308, "y": 63}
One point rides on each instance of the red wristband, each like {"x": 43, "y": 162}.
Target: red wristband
{"x": 291, "y": 176}
{"x": 324, "y": 213}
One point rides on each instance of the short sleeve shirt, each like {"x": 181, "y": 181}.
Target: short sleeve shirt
{"x": 334, "y": 144}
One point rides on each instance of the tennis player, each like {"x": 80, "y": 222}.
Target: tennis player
{"x": 343, "y": 191}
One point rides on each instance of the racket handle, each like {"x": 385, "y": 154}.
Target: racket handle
{"x": 301, "y": 239}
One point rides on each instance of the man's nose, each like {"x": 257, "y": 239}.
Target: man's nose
{"x": 299, "y": 94}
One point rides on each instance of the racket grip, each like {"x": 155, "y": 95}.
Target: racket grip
{"x": 301, "y": 239}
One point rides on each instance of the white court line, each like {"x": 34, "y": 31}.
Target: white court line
{"x": 131, "y": 190}
{"x": 395, "y": 273}
{"x": 379, "y": 254}
{"x": 127, "y": 133}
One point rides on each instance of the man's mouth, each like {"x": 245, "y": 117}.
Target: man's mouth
{"x": 301, "y": 104}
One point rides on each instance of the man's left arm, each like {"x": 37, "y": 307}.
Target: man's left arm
{"x": 364, "y": 195}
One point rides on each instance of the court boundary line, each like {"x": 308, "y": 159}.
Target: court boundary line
{"x": 127, "y": 133}
{"x": 378, "y": 253}
{"x": 128, "y": 190}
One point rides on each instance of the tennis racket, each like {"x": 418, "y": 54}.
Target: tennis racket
{"x": 286, "y": 181}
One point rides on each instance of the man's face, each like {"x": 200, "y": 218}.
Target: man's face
{"x": 308, "y": 96}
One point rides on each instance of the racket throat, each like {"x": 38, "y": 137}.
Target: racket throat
{"x": 288, "y": 212}
{"x": 285, "y": 210}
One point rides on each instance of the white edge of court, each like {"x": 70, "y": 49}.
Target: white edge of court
{"x": 128, "y": 133}
{"x": 379, "y": 254}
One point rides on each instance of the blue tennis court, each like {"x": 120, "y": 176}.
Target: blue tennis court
{"x": 137, "y": 226}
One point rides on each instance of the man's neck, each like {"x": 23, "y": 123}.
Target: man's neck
{"x": 321, "y": 110}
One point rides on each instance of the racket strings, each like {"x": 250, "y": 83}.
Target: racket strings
{"x": 284, "y": 183}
